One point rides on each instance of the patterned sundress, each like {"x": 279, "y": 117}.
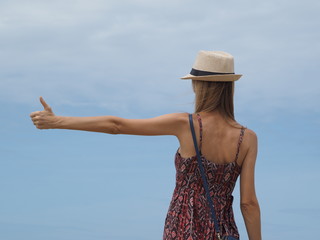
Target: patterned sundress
{"x": 189, "y": 215}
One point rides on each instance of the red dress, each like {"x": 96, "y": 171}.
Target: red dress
{"x": 189, "y": 215}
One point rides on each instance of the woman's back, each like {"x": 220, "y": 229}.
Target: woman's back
{"x": 188, "y": 215}
{"x": 219, "y": 139}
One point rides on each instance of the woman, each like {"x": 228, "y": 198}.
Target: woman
{"x": 227, "y": 150}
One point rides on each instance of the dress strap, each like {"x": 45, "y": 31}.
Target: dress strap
{"x": 239, "y": 142}
{"x": 200, "y": 125}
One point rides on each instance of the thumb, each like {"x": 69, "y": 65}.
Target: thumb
{"x": 45, "y": 105}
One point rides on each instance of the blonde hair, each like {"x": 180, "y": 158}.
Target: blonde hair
{"x": 215, "y": 96}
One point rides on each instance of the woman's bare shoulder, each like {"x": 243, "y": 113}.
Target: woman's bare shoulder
{"x": 175, "y": 116}
{"x": 178, "y": 117}
{"x": 251, "y": 135}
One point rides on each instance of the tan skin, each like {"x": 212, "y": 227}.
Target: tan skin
{"x": 218, "y": 138}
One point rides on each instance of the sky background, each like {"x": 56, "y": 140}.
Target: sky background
{"x": 124, "y": 58}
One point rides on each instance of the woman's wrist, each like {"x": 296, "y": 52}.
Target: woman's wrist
{"x": 58, "y": 122}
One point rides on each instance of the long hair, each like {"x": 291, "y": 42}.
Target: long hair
{"x": 215, "y": 96}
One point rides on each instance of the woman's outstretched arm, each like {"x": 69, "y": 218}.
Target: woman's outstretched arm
{"x": 169, "y": 124}
{"x": 249, "y": 203}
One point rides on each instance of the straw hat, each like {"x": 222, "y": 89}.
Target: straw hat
{"x": 213, "y": 66}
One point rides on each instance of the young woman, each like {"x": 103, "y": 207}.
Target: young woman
{"x": 227, "y": 150}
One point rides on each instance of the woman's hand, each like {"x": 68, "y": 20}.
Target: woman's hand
{"x": 44, "y": 119}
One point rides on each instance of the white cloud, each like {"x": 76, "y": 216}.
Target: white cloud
{"x": 131, "y": 53}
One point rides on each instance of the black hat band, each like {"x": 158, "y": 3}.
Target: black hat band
{"x": 196, "y": 72}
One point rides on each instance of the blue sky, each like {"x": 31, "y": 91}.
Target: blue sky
{"x": 125, "y": 58}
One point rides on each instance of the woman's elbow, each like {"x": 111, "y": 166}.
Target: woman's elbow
{"x": 115, "y": 130}
{"x": 250, "y": 212}
{"x": 112, "y": 125}
{"x": 249, "y": 205}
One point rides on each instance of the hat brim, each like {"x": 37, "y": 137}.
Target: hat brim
{"x": 213, "y": 78}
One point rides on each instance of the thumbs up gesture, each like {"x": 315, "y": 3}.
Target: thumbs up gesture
{"x": 44, "y": 119}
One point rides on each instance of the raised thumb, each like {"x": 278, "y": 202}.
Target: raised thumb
{"x": 45, "y": 105}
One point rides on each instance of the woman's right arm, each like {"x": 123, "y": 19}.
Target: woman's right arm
{"x": 248, "y": 200}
